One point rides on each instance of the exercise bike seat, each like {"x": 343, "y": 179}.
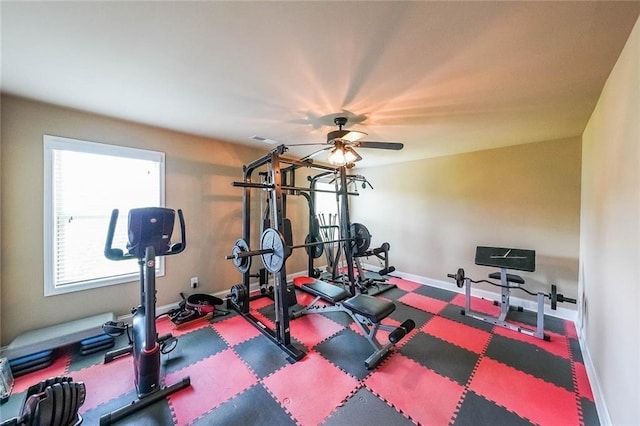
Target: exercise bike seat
{"x": 369, "y": 307}
{"x": 511, "y": 278}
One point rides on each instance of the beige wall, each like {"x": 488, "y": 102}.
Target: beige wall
{"x": 435, "y": 212}
{"x": 610, "y": 232}
{"x": 199, "y": 172}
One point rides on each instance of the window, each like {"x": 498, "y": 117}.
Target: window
{"x": 326, "y": 203}
{"x": 83, "y": 182}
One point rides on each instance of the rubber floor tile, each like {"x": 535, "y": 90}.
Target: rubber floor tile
{"x": 365, "y": 408}
{"x": 421, "y": 394}
{"x": 424, "y": 303}
{"x": 236, "y": 330}
{"x": 297, "y": 386}
{"x": 313, "y": 329}
{"x": 214, "y": 380}
{"x": 106, "y": 381}
{"x": 459, "y": 334}
{"x": 532, "y": 398}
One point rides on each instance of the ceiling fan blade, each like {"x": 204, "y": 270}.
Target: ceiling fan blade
{"x": 348, "y": 135}
{"x": 308, "y": 144}
{"x": 396, "y": 146}
{"x": 315, "y": 153}
{"x": 264, "y": 140}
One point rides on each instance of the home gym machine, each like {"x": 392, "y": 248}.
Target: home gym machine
{"x": 326, "y": 228}
{"x": 505, "y": 259}
{"x": 149, "y": 234}
{"x": 239, "y": 298}
{"x": 276, "y": 245}
{"x": 276, "y": 242}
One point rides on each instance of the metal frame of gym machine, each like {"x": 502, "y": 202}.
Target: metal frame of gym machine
{"x": 276, "y": 184}
{"x": 361, "y": 283}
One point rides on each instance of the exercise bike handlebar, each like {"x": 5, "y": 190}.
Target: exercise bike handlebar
{"x": 179, "y": 247}
{"x": 110, "y": 252}
{"x": 118, "y": 254}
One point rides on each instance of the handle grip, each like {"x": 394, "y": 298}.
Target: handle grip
{"x": 110, "y": 252}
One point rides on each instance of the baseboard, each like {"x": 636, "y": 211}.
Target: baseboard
{"x": 596, "y": 389}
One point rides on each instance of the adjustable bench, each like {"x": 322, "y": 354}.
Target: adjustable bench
{"x": 365, "y": 310}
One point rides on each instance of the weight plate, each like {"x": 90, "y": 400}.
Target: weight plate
{"x": 272, "y": 242}
{"x": 242, "y": 263}
{"x": 316, "y": 248}
{"x": 239, "y": 296}
{"x": 460, "y": 278}
{"x": 361, "y": 239}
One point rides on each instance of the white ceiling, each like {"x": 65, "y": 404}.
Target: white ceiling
{"x": 441, "y": 77}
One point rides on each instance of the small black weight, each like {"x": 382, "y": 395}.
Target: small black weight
{"x": 239, "y": 296}
{"x": 242, "y": 263}
{"x": 459, "y": 277}
{"x": 315, "y": 246}
{"x": 361, "y": 239}
{"x": 554, "y": 297}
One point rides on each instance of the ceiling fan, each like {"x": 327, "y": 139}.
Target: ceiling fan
{"x": 341, "y": 143}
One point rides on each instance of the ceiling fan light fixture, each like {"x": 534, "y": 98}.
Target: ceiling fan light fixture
{"x": 342, "y": 155}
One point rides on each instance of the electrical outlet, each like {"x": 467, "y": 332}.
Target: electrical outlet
{"x": 194, "y": 282}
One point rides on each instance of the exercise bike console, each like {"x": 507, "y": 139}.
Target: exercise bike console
{"x": 150, "y": 226}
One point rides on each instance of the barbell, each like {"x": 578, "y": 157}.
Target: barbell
{"x": 554, "y": 296}
{"x": 274, "y": 251}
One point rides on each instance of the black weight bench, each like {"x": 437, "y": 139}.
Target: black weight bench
{"x": 510, "y": 278}
{"x": 508, "y": 258}
{"x": 365, "y": 310}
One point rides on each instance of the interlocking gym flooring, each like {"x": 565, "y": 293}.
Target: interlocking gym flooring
{"x": 450, "y": 370}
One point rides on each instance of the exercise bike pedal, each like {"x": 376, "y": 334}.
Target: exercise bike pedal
{"x": 168, "y": 344}
{"x": 114, "y": 328}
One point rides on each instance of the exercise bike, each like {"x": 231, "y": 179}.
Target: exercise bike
{"x": 149, "y": 234}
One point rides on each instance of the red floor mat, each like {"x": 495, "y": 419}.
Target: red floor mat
{"x": 213, "y": 381}
{"x": 418, "y": 392}
{"x": 236, "y": 330}
{"x": 539, "y": 401}
{"x": 105, "y": 382}
{"x": 424, "y": 303}
{"x": 313, "y": 329}
{"x": 447, "y": 371}
{"x": 297, "y": 386}
{"x": 459, "y": 334}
